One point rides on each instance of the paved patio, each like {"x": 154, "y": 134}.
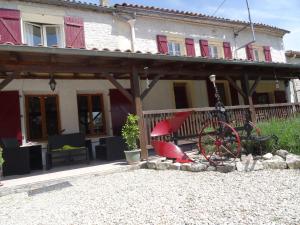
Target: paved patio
{"x": 37, "y": 179}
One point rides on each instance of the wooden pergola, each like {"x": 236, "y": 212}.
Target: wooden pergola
{"x": 24, "y": 62}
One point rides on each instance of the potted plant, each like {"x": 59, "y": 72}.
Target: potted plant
{"x": 130, "y": 133}
{"x": 1, "y": 163}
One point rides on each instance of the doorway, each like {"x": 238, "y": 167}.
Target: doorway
{"x": 180, "y": 94}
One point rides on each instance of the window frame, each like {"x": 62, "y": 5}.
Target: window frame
{"x": 219, "y": 46}
{"x": 173, "y": 45}
{"x": 43, "y": 115}
{"x": 260, "y": 52}
{"x": 91, "y": 126}
{"x": 44, "y": 33}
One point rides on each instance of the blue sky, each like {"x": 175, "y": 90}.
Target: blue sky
{"x": 281, "y": 13}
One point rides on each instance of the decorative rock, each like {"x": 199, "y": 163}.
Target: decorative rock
{"x": 175, "y": 166}
{"x": 163, "y": 165}
{"x": 186, "y": 166}
{"x": 282, "y": 153}
{"x": 253, "y": 165}
{"x": 226, "y": 168}
{"x": 143, "y": 165}
{"x": 245, "y": 158}
{"x": 267, "y": 156}
{"x": 293, "y": 161}
{"x": 151, "y": 165}
{"x": 211, "y": 168}
{"x": 197, "y": 167}
{"x": 275, "y": 163}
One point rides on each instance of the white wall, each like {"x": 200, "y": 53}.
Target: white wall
{"x": 103, "y": 30}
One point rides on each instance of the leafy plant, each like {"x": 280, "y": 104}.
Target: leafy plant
{"x": 288, "y": 132}
{"x": 1, "y": 157}
{"x": 130, "y": 131}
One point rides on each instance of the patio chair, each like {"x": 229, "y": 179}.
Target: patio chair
{"x": 66, "y": 149}
{"x": 110, "y": 148}
{"x": 17, "y": 160}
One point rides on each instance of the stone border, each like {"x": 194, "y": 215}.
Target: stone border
{"x": 282, "y": 159}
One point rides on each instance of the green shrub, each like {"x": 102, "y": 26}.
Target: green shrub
{"x": 1, "y": 157}
{"x": 130, "y": 131}
{"x": 288, "y": 132}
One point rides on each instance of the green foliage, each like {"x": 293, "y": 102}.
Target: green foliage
{"x": 1, "y": 158}
{"x": 130, "y": 131}
{"x": 288, "y": 132}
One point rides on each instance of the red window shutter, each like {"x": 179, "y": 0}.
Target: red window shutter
{"x": 74, "y": 31}
{"x": 10, "y": 27}
{"x": 204, "y": 48}
{"x": 162, "y": 44}
{"x": 249, "y": 52}
{"x": 227, "y": 50}
{"x": 267, "y": 52}
{"x": 190, "y": 47}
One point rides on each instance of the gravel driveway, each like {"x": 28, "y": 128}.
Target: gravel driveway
{"x": 163, "y": 197}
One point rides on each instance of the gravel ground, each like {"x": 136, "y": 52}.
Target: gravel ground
{"x": 163, "y": 197}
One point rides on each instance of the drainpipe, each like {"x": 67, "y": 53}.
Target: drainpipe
{"x": 131, "y": 19}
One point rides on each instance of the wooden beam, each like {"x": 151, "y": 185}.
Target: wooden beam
{"x": 250, "y": 100}
{"x": 7, "y": 80}
{"x": 253, "y": 88}
{"x": 234, "y": 85}
{"x": 135, "y": 87}
{"x": 118, "y": 86}
{"x": 151, "y": 85}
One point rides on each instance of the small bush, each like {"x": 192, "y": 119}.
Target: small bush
{"x": 288, "y": 132}
{"x": 130, "y": 131}
{"x": 1, "y": 157}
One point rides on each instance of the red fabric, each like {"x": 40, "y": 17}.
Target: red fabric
{"x": 10, "y": 27}
{"x": 162, "y": 44}
{"x": 170, "y": 151}
{"x": 227, "y": 50}
{"x": 204, "y": 48}
{"x": 249, "y": 52}
{"x": 10, "y": 119}
{"x": 267, "y": 52}
{"x": 167, "y": 127}
{"x": 74, "y": 31}
{"x": 190, "y": 47}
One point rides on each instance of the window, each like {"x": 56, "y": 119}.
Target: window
{"x": 91, "y": 114}
{"x": 42, "y": 34}
{"x": 213, "y": 51}
{"x": 42, "y": 116}
{"x": 174, "y": 48}
{"x": 256, "y": 54}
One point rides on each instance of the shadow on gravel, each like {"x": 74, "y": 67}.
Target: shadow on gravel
{"x": 49, "y": 188}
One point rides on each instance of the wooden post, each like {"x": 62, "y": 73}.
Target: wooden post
{"x": 135, "y": 87}
{"x": 251, "y": 106}
{"x": 7, "y": 80}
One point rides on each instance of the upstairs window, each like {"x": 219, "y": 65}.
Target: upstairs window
{"x": 43, "y": 35}
{"x": 256, "y": 54}
{"x": 174, "y": 48}
{"x": 213, "y": 51}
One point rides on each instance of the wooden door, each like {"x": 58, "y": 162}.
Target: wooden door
{"x": 120, "y": 106}
{"x": 181, "y": 100}
{"x": 10, "y": 119}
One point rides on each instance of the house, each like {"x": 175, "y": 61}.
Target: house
{"x": 69, "y": 66}
{"x": 294, "y": 57}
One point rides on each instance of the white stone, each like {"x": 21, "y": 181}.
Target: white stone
{"x": 293, "y": 161}
{"x": 274, "y": 164}
{"x": 175, "y": 166}
{"x": 245, "y": 158}
{"x": 267, "y": 156}
{"x": 282, "y": 153}
{"x": 226, "y": 168}
{"x": 253, "y": 165}
{"x": 163, "y": 165}
{"x": 211, "y": 168}
{"x": 151, "y": 165}
{"x": 143, "y": 165}
{"x": 197, "y": 167}
{"x": 186, "y": 166}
